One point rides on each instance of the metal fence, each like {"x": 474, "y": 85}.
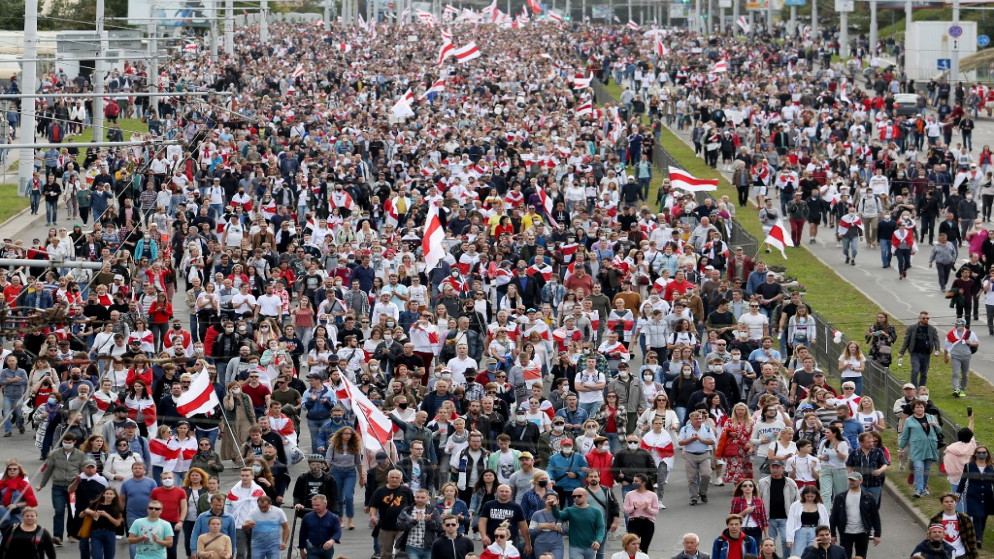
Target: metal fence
{"x": 879, "y": 382}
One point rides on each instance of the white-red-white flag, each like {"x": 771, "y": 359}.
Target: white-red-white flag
{"x": 437, "y": 87}
{"x": 445, "y": 52}
{"x": 743, "y": 23}
{"x": 190, "y": 47}
{"x": 298, "y": 72}
{"x": 200, "y": 398}
{"x": 778, "y": 238}
{"x": 555, "y": 17}
{"x": 547, "y": 205}
{"x": 720, "y": 66}
{"x": 660, "y": 48}
{"x": 466, "y": 53}
{"x": 535, "y": 6}
{"x": 344, "y": 47}
{"x": 685, "y": 181}
{"x": 582, "y": 83}
{"x": 431, "y": 243}
{"x": 633, "y": 26}
{"x": 374, "y": 426}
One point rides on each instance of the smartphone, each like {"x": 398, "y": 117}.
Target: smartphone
{"x": 969, "y": 411}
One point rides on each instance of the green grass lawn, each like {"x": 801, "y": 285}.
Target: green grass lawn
{"x": 128, "y": 125}
{"x": 10, "y": 202}
{"x": 852, "y": 313}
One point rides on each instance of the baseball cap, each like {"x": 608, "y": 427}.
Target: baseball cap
{"x": 908, "y": 385}
{"x": 566, "y": 442}
{"x": 776, "y": 463}
{"x": 855, "y": 475}
{"x": 526, "y": 454}
{"x": 89, "y": 462}
{"x": 381, "y": 455}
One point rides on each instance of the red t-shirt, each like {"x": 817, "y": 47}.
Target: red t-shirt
{"x": 257, "y": 394}
{"x": 171, "y": 500}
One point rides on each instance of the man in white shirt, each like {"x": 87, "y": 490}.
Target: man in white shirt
{"x": 460, "y": 363}
{"x": 270, "y": 305}
{"x": 385, "y": 307}
{"x": 243, "y": 302}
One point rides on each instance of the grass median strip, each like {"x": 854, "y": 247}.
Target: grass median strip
{"x": 852, "y": 313}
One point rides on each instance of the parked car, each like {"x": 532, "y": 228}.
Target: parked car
{"x": 905, "y": 104}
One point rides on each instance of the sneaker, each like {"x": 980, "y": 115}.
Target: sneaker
{"x": 704, "y": 498}
{"x": 962, "y": 393}
{"x": 720, "y": 483}
{"x": 73, "y": 540}
{"x": 955, "y": 393}
{"x": 20, "y": 430}
{"x": 693, "y": 502}
{"x": 476, "y": 536}
{"x": 8, "y": 434}
{"x": 917, "y": 495}
{"x": 57, "y": 542}
{"x": 661, "y": 505}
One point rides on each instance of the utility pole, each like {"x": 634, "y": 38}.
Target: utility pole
{"x": 229, "y": 27}
{"x": 769, "y": 16}
{"x": 630, "y": 17}
{"x": 843, "y": 34}
{"x": 697, "y": 17}
{"x": 327, "y": 15}
{"x": 814, "y": 18}
{"x": 153, "y": 64}
{"x": 954, "y": 54}
{"x": 736, "y": 30}
{"x": 264, "y": 21}
{"x": 212, "y": 42}
{"x": 98, "y": 76}
{"x": 873, "y": 28}
{"x": 907, "y": 19}
{"x": 29, "y": 80}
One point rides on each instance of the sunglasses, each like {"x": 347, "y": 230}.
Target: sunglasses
{"x": 450, "y": 525}
{"x": 154, "y": 508}
{"x": 500, "y": 537}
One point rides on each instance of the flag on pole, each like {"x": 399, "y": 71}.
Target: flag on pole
{"x": 535, "y": 6}
{"x": 778, "y": 238}
{"x": 298, "y": 72}
{"x": 431, "y": 243}
{"x": 467, "y": 53}
{"x": 445, "y": 52}
{"x": 633, "y": 26}
{"x": 660, "y": 47}
{"x": 555, "y": 17}
{"x": 437, "y": 87}
{"x": 685, "y": 181}
{"x": 582, "y": 83}
{"x": 743, "y": 22}
{"x": 547, "y": 205}
{"x": 374, "y": 426}
{"x": 190, "y": 47}
{"x": 200, "y": 398}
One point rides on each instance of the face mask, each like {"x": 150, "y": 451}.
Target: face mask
{"x": 623, "y": 374}
{"x": 52, "y": 401}
{"x": 633, "y": 446}
{"x": 374, "y": 367}
{"x": 228, "y": 330}
{"x": 402, "y": 406}
{"x": 390, "y": 324}
{"x": 982, "y": 455}
{"x": 715, "y": 368}
{"x": 75, "y": 377}
{"x": 736, "y": 358}
{"x": 557, "y": 428}
{"x": 242, "y": 329}
{"x": 236, "y": 391}
{"x": 271, "y": 346}
{"x": 567, "y": 451}
{"x": 68, "y": 446}
{"x": 168, "y": 482}
{"x": 520, "y": 420}
{"x": 269, "y": 456}
{"x": 387, "y": 338}
{"x": 923, "y": 398}
{"x": 264, "y": 329}
{"x": 647, "y": 378}
{"x": 591, "y": 432}
{"x": 686, "y": 373}
{"x": 545, "y": 482}
{"x": 257, "y": 470}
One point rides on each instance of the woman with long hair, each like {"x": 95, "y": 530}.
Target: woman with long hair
{"x": 159, "y": 447}
{"x": 881, "y": 336}
{"x": 303, "y": 320}
{"x": 803, "y": 517}
{"x": 96, "y": 449}
{"x": 747, "y": 504}
{"x": 868, "y": 416}
{"x": 186, "y": 443}
{"x": 738, "y": 447}
{"x": 450, "y": 503}
{"x": 484, "y": 491}
{"x": 195, "y": 485}
{"x": 344, "y": 456}
{"x": 614, "y": 417}
{"x": 641, "y": 507}
{"x": 141, "y": 406}
{"x": 833, "y": 452}
{"x": 852, "y": 363}
{"x": 977, "y": 488}
{"x": 660, "y": 408}
{"x": 920, "y": 440}
{"x": 239, "y": 418}
{"x": 107, "y": 517}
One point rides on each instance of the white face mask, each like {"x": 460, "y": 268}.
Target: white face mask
{"x": 567, "y": 450}
{"x": 167, "y": 482}
{"x": 633, "y": 446}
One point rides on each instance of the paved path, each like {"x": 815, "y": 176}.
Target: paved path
{"x": 920, "y": 291}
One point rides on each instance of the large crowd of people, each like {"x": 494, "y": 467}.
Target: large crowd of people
{"x": 280, "y": 249}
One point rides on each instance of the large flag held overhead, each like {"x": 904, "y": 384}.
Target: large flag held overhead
{"x": 778, "y": 238}
{"x": 685, "y": 181}
{"x": 466, "y": 53}
{"x": 374, "y": 426}
{"x": 200, "y": 398}
{"x": 431, "y": 243}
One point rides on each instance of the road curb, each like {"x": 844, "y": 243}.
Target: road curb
{"x": 906, "y": 504}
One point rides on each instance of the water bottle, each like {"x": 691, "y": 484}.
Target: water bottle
{"x": 900, "y": 361}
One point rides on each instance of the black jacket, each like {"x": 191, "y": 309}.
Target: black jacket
{"x": 833, "y": 552}
{"x": 867, "y": 510}
{"x": 446, "y": 548}
{"x": 325, "y": 485}
{"x": 627, "y": 463}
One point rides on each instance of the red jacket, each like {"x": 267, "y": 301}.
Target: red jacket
{"x": 601, "y": 461}
{"x": 9, "y": 487}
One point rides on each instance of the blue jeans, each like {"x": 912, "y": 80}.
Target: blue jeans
{"x": 681, "y": 413}
{"x": 876, "y": 492}
{"x": 35, "y": 201}
{"x": 592, "y": 408}
{"x": 51, "y": 211}
{"x": 314, "y": 426}
{"x": 885, "y": 252}
{"x": 803, "y": 537}
{"x": 60, "y": 501}
{"x": 582, "y": 553}
{"x": 132, "y": 549}
{"x": 849, "y": 246}
{"x": 922, "y": 468}
{"x": 265, "y": 549}
{"x": 345, "y": 479}
{"x": 12, "y": 408}
{"x": 103, "y": 545}
{"x": 418, "y": 553}
{"x": 315, "y": 552}
{"x": 778, "y": 529}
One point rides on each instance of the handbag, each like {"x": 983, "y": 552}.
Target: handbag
{"x": 721, "y": 450}
{"x": 86, "y": 528}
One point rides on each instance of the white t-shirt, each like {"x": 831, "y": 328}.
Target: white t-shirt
{"x": 755, "y": 324}
{"x": 951, "y": 523}
{"x": 869, "y": 420}
{"x": 586, "y": 377}
{"x": 803, "y": 468}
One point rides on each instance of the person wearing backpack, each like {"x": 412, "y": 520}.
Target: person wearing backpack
{"x": 961, "y": 344}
